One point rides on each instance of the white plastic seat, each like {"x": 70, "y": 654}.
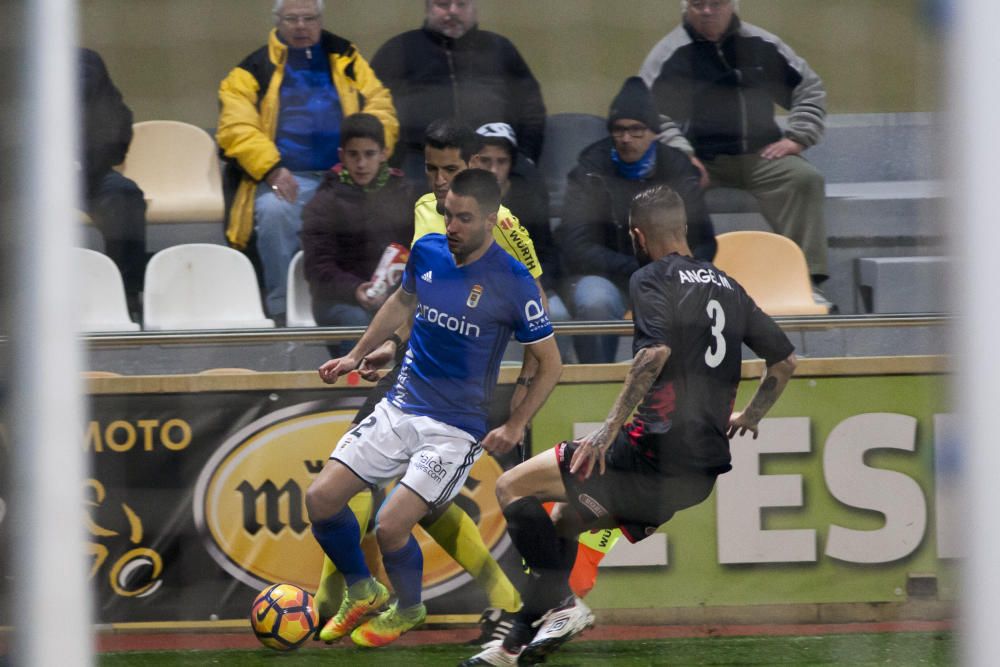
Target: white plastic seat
{"x": 177, "y": 166}
{"x": 202, "y": 286}
{"x": 298, "y": 298}
{"x": 102, "y": 294}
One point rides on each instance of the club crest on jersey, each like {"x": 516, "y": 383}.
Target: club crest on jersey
{"x": 474, "y": 296}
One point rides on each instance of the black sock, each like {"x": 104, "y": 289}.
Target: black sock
{"x": 535, "y": 536}
{"x": 521, "y": 633}
{"x": 569, "y": 548}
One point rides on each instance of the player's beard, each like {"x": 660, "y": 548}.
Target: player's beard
{"x": 640, "y": 252}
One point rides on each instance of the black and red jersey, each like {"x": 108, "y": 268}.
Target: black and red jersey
{"x": 704, "y": 317}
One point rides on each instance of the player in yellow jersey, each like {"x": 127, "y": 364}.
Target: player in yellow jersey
{"x": 448, "y": 150}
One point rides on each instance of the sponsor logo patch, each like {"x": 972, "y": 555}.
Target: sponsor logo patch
{"x": 591, "y": 504}
{"x": 431, "y": 466}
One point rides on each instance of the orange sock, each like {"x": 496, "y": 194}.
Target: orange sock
{"x": 584, "y": 574}
{"x": 594, "y": 546}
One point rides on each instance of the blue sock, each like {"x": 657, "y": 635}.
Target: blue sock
{"x": 406, "y": 570}
{"x": 340, "y": 538}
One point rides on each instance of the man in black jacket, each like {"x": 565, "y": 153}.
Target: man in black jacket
{"x": 593, "y": 240}
{"x": 718, "y": 79}
{"x": 115, "y": 204}
{"x": 449, "y": 68}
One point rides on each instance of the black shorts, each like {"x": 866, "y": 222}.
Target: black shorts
{"x": 639, "y": 496}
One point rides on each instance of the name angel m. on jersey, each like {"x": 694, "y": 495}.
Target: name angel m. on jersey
{"x": 703, "y": 276}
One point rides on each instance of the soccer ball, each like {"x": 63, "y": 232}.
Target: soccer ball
{"x": 283, "y": 616}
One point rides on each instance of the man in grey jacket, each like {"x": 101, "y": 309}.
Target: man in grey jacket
{"x": 717, "y": 79}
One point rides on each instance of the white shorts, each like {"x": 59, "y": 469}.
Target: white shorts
{"x": 433, "y": 458}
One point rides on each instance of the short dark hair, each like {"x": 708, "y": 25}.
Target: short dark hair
{"x": 481, "y": 185}
{"x": 657, "y": 209}
{"x": 362, "y": 126}
{"x": 445, "y": 133}
{"x": 482, "y": 142}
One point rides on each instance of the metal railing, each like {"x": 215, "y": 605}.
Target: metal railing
{"x": 326, "y": 334}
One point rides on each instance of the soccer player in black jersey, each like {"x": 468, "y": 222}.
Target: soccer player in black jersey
{"x": 690, "y": 322}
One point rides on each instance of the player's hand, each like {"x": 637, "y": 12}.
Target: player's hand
{"x": 502, "y": 439}
{"x": 283, "y": 184}
{"x": 590, "y": 450}
{"x": 781, "y": 148}
{"x": 740, "y": 425}
{"x": 333, "y": 369}
{"x": 376, "y": 360}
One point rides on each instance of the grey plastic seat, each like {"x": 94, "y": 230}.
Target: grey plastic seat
{"x": 566, "y": 135}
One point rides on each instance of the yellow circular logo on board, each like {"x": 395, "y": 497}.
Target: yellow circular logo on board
{"x": 249, "y": 501}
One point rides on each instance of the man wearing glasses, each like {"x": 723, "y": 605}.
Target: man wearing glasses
{"x": 279, "y": 124}
{"x": 718, "y": 79}
{"x": 593, "y": 241}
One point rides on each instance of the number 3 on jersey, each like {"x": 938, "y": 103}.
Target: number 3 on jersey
{"x": 718, "y": 316}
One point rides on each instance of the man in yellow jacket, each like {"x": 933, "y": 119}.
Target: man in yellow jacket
{"x": 280, "y": 117}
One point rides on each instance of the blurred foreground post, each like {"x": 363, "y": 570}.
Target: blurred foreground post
{"x": 50, "y": 601}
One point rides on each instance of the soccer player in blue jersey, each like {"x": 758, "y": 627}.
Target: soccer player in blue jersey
{"x": 449, "y": 147}
{"x": 465, "y": 297}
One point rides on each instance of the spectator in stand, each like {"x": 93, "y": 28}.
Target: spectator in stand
{"x": 281, "y": 111}
{"x": 361, "y": 207}
{"x": 523, "y": 191}
{"x": 593, "y": 239}
{"x": 450, "y": 68}
{"x": 114, "y": 203}
{"x": 719, "y": 78}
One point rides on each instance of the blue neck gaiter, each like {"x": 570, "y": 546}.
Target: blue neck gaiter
{"x": 633, "y": 171}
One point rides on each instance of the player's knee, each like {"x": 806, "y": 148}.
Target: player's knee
{"x": 317, "y": 502}
{"x": 322, "y": 497}
{"x": 567, "y": 520}
{"x": 390, "y": 534}
{"x": 506, "y": 488}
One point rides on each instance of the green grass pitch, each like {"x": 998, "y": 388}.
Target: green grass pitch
{"x": 937, "y": 649}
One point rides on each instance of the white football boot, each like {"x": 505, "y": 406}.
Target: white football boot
{"x": 495, "y": 655}
{"x": 557, "y": 627}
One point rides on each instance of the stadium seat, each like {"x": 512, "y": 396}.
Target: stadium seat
{"x": 299, "y": 301}
{"x": 566, "y": 134}
{"x": 177, "y": 166}
{"x": 102, "y": 294}
{"x": 772, "y": 269}
{"x": 202, "y": 286}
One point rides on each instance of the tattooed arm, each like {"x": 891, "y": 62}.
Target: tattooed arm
{"x": 775, "y": 378}
{"x": 646, "y": 367}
